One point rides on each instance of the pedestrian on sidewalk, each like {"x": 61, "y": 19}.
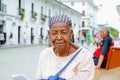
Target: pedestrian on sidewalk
{"x": 11, "y": 38}
{"x": 88, "y": 37}
{"x": 24, "y": 38}
{"x": 82, "y": 39}
{"x": 64, "y": 60}
{"x": 97, "y": 39}
{"x": 2, "y": 39}
{"x": 32, "y": 38}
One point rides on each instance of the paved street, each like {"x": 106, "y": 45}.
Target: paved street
{"x": 21, "y": 60}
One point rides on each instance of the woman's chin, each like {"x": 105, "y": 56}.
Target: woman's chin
{"x": 60, "y": 47}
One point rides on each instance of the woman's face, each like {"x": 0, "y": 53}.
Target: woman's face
{"x": 60, "y": 35}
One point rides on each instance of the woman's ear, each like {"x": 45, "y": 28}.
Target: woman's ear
{"x": 71, "y": 34}
{"x": 49, "y": 33}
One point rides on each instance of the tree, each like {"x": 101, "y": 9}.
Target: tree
{"x": 114, "y": 32}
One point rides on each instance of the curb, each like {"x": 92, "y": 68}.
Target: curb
{"x": 17, "y": 46}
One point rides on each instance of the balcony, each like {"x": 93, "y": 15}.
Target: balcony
{"x": 33, "y": 16}
{"x": 21, "y": 13}
{"x": 43, "y": 18}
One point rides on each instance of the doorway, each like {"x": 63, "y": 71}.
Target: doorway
{"x": 41, "y": 33}
{"x": 1, "y": 28}
{"x": 32, "y": 36}
{"x": 19, "y": 31}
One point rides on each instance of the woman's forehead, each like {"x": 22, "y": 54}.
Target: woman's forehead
{"x": 60, "y": 25}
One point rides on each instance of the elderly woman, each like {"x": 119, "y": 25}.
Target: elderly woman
{"x": 53, "y": 59}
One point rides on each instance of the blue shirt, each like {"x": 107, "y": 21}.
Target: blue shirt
{"x": 106, "y": 43}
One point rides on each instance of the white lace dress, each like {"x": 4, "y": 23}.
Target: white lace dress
{"x": 81, "y": 68}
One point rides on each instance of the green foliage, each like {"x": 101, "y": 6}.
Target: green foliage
{"x": 114, "y": 32}
{"x": 43, "y": 18}
{"x": 22, "y": 14}
{"x": 34, "y": 15}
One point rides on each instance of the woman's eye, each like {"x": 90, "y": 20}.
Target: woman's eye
{"x": 54, "y": 33}
{"x": 64, "y": 32}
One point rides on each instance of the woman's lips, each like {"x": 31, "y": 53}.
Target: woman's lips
{"x": 59, "y": 43}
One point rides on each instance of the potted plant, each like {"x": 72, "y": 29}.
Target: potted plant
{"x": 22, "y": 13}
{"x": 34, "y": 15}
{"x": 43, "y": 18}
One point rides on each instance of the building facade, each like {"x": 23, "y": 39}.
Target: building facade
{"x": 28, "y": 20}
{"x": 88, "y": 10}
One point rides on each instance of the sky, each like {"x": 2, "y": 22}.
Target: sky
{"x": 107, "y": 13}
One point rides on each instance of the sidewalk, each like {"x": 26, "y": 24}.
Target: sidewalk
{"x": 20, "y": 45}
{"x": 90, "y": 47}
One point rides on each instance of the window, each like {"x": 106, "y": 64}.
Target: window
{"x": 83, "y": 3}
{"x": 49, "y": 14}
{"x": 56, "y": 13}
{"x": 83, "y": 24}
{"x": 72, "y": 3}
{"x": 41, "y": 11}
{"x": 32, "y": 9}
{"x": 21, "y": 5}
{"x": 0, "y": 4}
{"x": 83, "y": 12}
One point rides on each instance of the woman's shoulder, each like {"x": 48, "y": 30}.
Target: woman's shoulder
{"x": 85, "y": 52}
{"x": 46, "y": 51}
{"x": 83, "y": 56}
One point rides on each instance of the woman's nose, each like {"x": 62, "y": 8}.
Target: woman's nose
{"x": 59, "y": 36}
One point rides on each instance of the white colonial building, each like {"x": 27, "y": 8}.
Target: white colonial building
{"x": 30, "y": 17}
{"x": 88, "y": 10}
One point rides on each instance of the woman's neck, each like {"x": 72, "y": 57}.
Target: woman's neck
{"x": 66, "y": 51}
{"x": 62, "y": 52}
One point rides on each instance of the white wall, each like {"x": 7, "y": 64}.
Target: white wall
{"x": 26, "y": 25}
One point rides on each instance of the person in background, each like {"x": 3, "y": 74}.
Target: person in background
{"x": 82, "y": 39}
{"x": 32, "y": 38}
{"x": 100, "y": 55}
{"x": 11, "y": 38}
{"x": 41, "y": 37}
{"x": 1, "y": 38}
{"x": 97, "y": 39}
{"x": 88, "y": 37}
{"x": 73, "y": 39}
{"x": 47, "y": 39}
{"x": 53, "y": 59}
{"x": 24, "y": 38}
